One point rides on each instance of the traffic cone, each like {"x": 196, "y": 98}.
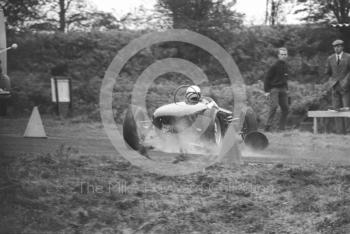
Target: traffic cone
{"x": 35, "y": 126}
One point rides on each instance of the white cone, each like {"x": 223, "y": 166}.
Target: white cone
{"x": 35, "y": 126}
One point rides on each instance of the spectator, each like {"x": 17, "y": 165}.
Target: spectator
{"x": 276, "y": 87}
{"x": 338, "y": 69}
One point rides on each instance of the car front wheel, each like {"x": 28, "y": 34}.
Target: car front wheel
{"x": 217, "y": 132}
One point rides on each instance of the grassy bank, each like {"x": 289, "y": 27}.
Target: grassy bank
{"x": 71, "y": 193}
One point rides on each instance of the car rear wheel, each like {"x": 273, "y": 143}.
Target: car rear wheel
{"x": 256, "y": 140}
{"x": 213, "y": 133}
{"x": 250, "y": 123}
{"x": 134, "y": 131}
{"x": 252, "y": 138}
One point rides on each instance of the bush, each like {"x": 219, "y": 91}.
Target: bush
{"x": 88, "y": 56}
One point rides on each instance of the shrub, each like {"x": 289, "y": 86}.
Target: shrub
{"x": 88, "y": 56}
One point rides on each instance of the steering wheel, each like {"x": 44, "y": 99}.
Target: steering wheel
{"x": 177, "y": 90}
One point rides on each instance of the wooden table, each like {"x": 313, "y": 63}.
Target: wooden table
{"x": 326, "y": 114}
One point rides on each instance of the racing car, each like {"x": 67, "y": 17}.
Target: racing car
{"x": 196, "y": 121}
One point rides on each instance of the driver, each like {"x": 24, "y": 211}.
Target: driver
{"x": 193, "y": 95}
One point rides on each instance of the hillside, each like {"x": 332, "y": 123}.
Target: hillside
{"x": 88, "y": 56}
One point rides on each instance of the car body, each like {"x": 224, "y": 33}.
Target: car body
{"x": 203, "y": 125}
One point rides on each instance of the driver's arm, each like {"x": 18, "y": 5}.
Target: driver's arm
{"x": 209, "y": 102}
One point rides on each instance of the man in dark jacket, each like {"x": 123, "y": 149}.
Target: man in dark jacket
{"x": 276, "y": 87}
{"x": 338, "y": 69}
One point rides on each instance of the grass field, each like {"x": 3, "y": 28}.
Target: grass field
{"x": 69, "y": 190}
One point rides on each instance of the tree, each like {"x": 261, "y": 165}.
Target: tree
{"x": 340, "y": 9}
{"x": 104, "y": 21}
{"x": 274, "y": 11}
{"x": 67, "y": 13}
{"x": 212, "y": 18}
{"x": 55, "y": 15}
{"x": 20, "y": 12}
{"x": 325, "y": 10}
{"x": 147, "y": 19}
{"x": 200, "y": 15}
{"x": 267, "y": 11}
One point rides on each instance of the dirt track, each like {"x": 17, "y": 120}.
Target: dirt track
{"x": 47, "y": 188}
{"x": 90, "y": 139}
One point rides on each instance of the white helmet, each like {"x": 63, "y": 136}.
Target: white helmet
{"x": 193, "y": 94}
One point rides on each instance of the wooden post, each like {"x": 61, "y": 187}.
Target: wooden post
{"x": 56, "y": 94}
{"x": 315, "y": 125}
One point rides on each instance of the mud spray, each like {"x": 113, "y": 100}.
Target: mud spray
{"x": 182, "y": 139}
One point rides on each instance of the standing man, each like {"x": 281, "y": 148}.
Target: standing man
{"x": 276, "y": 87}
{"x": 338, "y": 69}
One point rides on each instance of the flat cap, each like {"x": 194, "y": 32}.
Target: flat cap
{"x": 338, "y": 42}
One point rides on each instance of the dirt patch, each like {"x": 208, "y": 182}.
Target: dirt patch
{"x": 73, "y": 193}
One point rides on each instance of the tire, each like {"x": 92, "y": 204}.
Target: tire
{"x": 250, "y": 123}
{"x": 252, "y": 138}
{"x": 132, "y": 133}
{"x": 217, "y": 139}
{"x": 214, "y": 132}
{"x": 256, "y": 140}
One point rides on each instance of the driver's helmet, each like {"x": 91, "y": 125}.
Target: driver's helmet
{"x": 193, "y": 94}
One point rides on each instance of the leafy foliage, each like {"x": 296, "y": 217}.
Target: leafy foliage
{"x": 203, "y": 16}
{"x": 274, "y": 12}
{"x": 321, "y": 10}
{"x": 88, "y": 56}
{"x": 67, "y": 15}
{"x": 57, "y": 15}
{"x": 18, "y": 12}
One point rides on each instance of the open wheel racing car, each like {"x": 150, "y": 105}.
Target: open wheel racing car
{"x": 197, "y": 122}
